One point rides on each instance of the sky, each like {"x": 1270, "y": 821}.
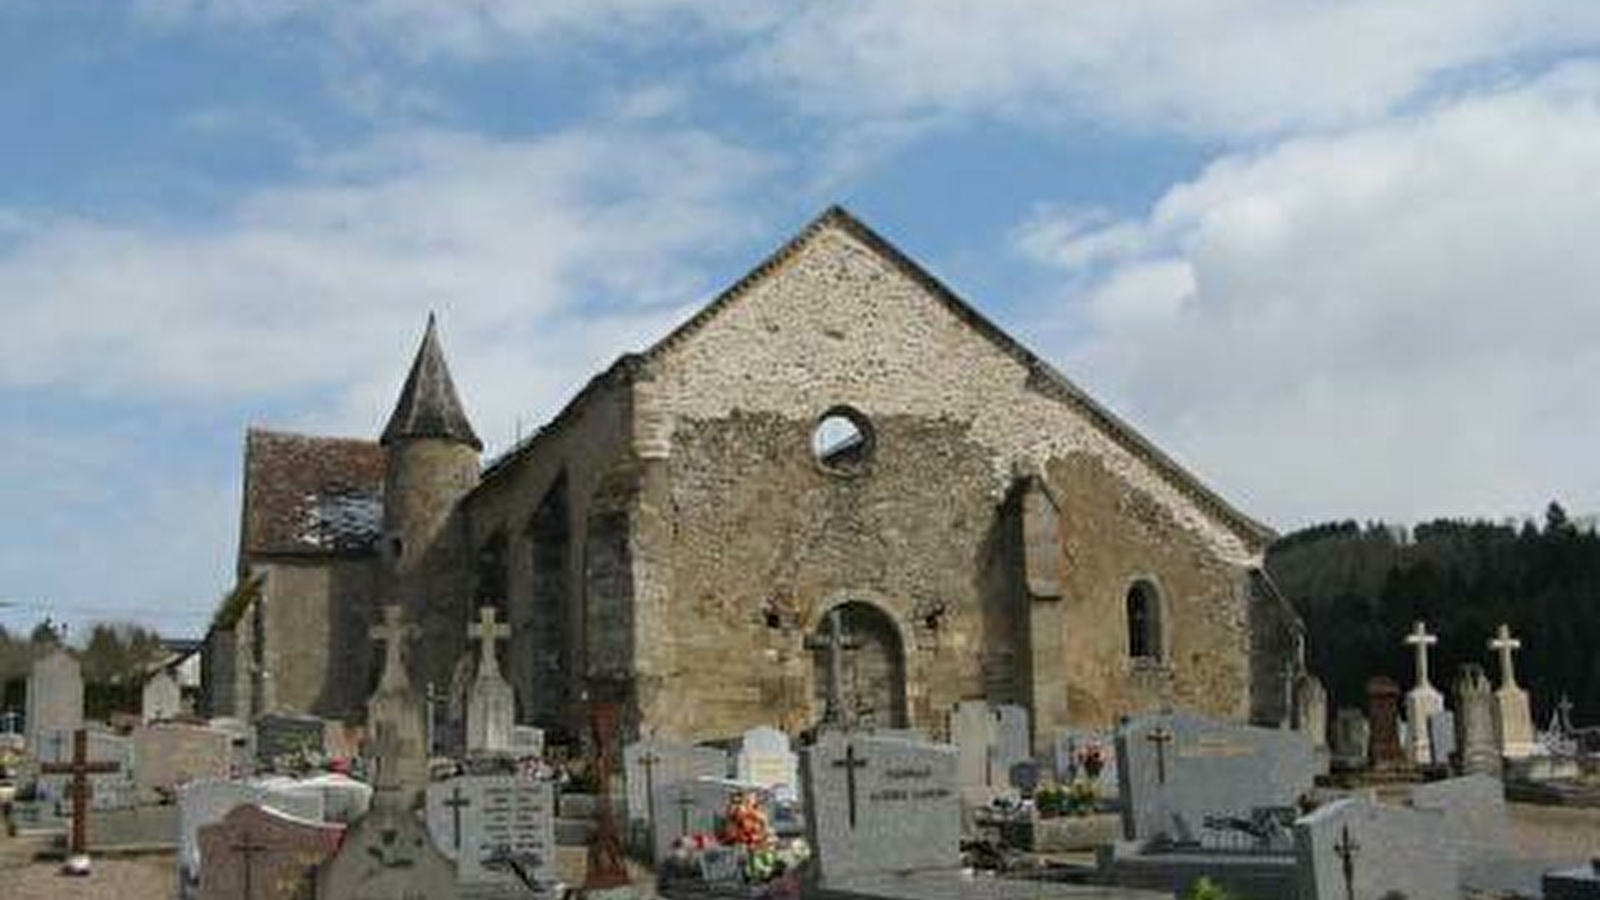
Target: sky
{"x": 1341, "y": 258}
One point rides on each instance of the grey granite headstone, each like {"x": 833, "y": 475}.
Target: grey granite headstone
{"x": 1476, "y": 822}
{"x": 880, "y": 806}
{"x": 765, "y": 758}
{"x": 972, "y": 730}
{"x": 54, "y": 699}
{"x": 481, "y": 820}
{"x": 656, "y": 761}
{"x": 1178, "y": 769}
{"x": 1442, "y": 737}
{"x": 1011, "y": 742}
{"x": 1357, "y": 848}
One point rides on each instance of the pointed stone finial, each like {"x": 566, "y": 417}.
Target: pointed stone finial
{"x": 429, "y": 406}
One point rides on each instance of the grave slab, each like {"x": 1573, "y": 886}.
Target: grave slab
{"x": 481, "y": 822}
{"x": 1357, "y": 848}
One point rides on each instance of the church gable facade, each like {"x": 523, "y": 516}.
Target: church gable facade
{"x": 840, "y": 435}
{"x": 836, "y": 473}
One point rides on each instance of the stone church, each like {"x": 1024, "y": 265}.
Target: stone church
{"x": 836, "y": 432}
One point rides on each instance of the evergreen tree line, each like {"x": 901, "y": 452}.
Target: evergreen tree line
{"x": 115, "y": 658}
{"x": 1359, "y": 588}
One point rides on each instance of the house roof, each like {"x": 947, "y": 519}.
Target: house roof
{"x": 310, "y": 495}
{"x": 429, "y": 406}
{"x": 1042, "y": 377}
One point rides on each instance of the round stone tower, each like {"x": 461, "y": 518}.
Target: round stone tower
{"x": 431, "y": 463}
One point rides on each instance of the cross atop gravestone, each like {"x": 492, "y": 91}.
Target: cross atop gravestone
{"x": 80, "y": 769}
{"x": 1503, "y": 643}
{"x": 1421, "y": 640}
{"x": 486, "y": 631}
{"x": 394, "y": 633}
{"x": 834, "y": 644}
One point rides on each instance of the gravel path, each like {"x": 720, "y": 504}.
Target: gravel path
{"x": 146, "y": 878}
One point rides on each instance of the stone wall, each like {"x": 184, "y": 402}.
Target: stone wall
{"x": 315, "y": 616}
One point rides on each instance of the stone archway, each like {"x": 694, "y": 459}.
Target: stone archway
{"x": 872, "y": 664}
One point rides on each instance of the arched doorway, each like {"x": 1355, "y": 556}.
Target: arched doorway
{"x": 871, "y": 665}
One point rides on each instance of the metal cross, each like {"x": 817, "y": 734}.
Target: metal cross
{"x": 850, "y": 764}
{"x": 455, "y": 803}
{"x": 1161, "y": 737}
{"x": 834, "y": 645}
{"x": 80, "y": 769}
{"x": 1347, "y": 849}
{"x": 685, "y": 803}
{"x": 249, "y": 849}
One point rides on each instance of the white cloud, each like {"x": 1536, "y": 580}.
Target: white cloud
{"x": 1398, "y": 320}
{"x": 324, "y": 281}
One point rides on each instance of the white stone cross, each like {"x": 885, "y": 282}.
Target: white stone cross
{"x": 394, "y": 633}
{"x": 1421, "y": 640}
{"x": 1504, "y": 643}
{"x": 486, "y": 631}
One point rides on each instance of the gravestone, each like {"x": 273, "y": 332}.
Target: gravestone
{"x": 1476, "y": 823}
{"x": 1075, "y": 754}
{"x": 1383, "y": 720}
{"x": 202, "y": 803}
{"x": 54, "y": 699}
{"x": 485, "y": 822}
{"x": 696, "y": 806}
{"x": 396, "y": 719}
{"x": 1178, "y": 769}
{"x": 526, "y": 741}
{"x": 282, "y": 736}
{"x": 491, "y": 703}
{"x": 1012, "y": 743}
{"x": 108, "y": 790}
{"x": 170, "y": 754}
{"x": 1354, "y": 849}
{"x": 657, "y": 761}
{"x": 1475, "y": 733}
{"x": 877, "y": 806}
{"x": 765, "y": 758}
{"x": 1513, "y": 717}
{"x": 387, "y": 856}
{"x": 161, "y": 698}
{"x": 1423, "y": 701}
{"x": 1352, "y": 739}
{"x": 1442, "y": 737}
{"x": 262, "y": 854}
{"x": 1311, "y": 710}
{"x": 972, "y": 730}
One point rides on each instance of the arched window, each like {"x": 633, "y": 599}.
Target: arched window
{"x": 1144, "y": 621}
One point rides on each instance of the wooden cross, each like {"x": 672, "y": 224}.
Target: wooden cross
{"x": 648, "y": 761}
{"x": 850, "y": 764}
{"x": 834, "y": 645}
{"x": 249, "y": 849}
{"x": 1504, "y": 643}
{"x": 455, "y": 803}
{"x": 1161, "y": 737}
{"x": 486, "y": 631}
{"x": 1347, "y": 849}
{"x": 80, "y": 769}
{"x": 1421, "y": 640}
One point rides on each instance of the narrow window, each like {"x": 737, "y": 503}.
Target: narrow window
{"x": 1144, "y": 621}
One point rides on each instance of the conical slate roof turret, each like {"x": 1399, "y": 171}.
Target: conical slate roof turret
{"x": 429, "y": 407}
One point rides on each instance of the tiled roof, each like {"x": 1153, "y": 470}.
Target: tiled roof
{"x": 305, "y": 494}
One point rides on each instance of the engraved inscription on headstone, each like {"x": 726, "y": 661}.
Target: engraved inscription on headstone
{"x": 487, "y": 822}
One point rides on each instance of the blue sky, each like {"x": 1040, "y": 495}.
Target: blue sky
{"x": 1336, "y": 257}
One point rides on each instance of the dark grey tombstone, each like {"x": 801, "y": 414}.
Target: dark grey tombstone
{"x": 1024, "y": 777}
{"x": 1352, "y": 739}
{"x": 1354, "y": 848}
{"x": 1178, "y": 770}
{"x": 1442, "y": 737}
{"x": 880, "y": 806}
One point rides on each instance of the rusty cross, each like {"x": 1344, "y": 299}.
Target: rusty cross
{"x": 80, "y": 769}
{"x": 248, "y": 848}
{"x": 1347, "y": 849}
{"x": 1161, "y": 737}
{"x": 850, "y": 764}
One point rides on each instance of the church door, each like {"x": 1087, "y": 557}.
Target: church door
{"x": 872, "y": 670}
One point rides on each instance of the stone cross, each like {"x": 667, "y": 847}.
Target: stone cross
{"x": 248, "y": 848}
{"x": 1421, "y": 640}
{"x": 455, "y": 803}
{"x": 80, "y": 769}
{"x": 850, "y": 764}
{"x": 394, "y": 633}
{"x": 834, "y": 646}
{"x": 1161, "y": 737}
{"x": 486, "y": 631}
{"x": 1347, "y": 849}
{"x": 1503, "y": 643}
